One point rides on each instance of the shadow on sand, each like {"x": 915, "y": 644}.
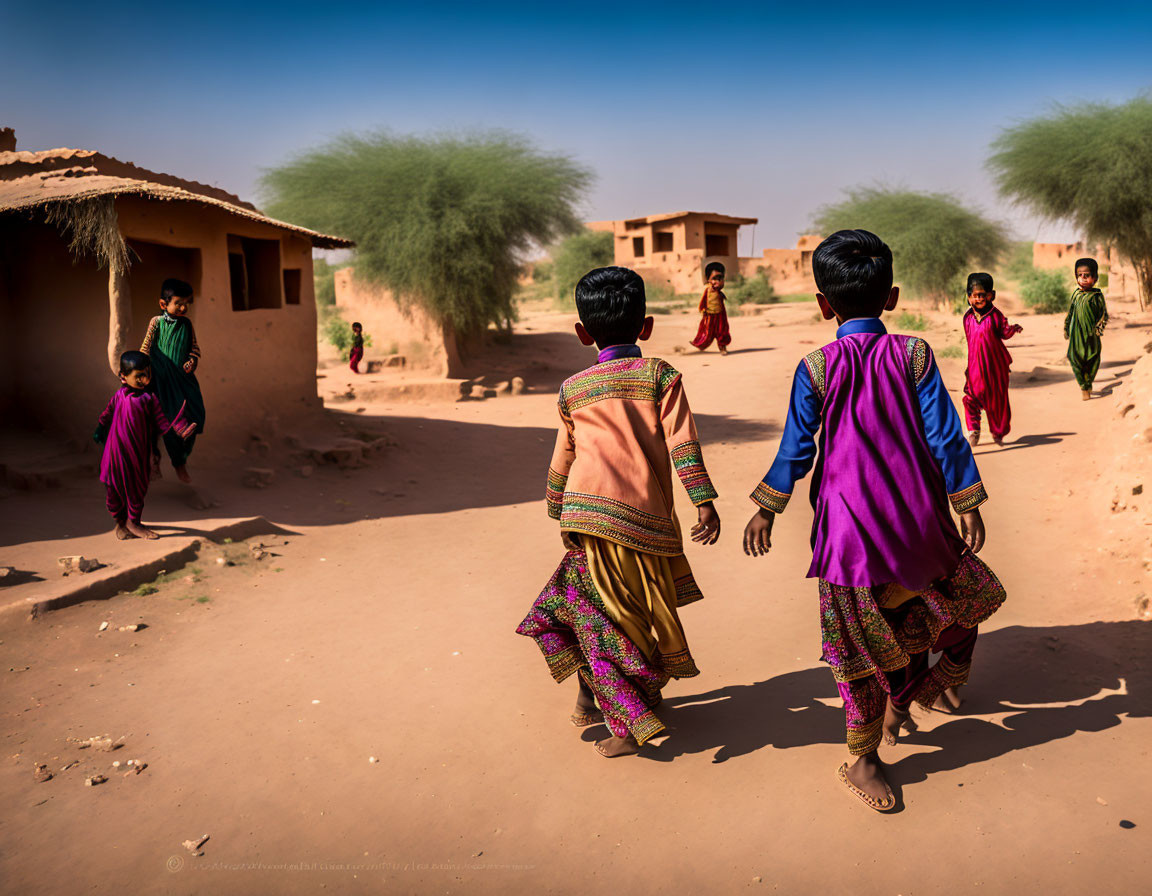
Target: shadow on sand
{"x": 1052, "y": 682}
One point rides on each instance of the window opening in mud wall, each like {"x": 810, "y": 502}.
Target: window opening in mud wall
{"x": 254, "y": 273}
{"x": 638, "y": 246}
{"x": 662, "y": 241}
{"x": 291, "y": 286}
{"x": 715, "y": 244}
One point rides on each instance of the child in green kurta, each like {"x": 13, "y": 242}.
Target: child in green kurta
{"x": 1084, "y": 325}
{"x": 171, "y": 343}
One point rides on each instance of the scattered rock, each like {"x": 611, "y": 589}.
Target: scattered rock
{"x": 305, "y": 470}
{"x": 103, "y": 744}
{"x": 103, "y": 626}
{"x": 6, "y": 571}
{"x": 40, "y": 774}
{"x": 1138, "y": 489}
{"x": 517, "y": 386}
{"x": 479, "y": 391}
{"x": 93, "y": 780}
{"x": 134, "y": 627}
{"x": 257, "y": 477}
{"x": 78, "y": 564}
{"x": 74, "y": 762}
{"x": 193, "y": 846}
{"x": 258, "y": 447}
{"x": 503, "y": 387}
{"x": 1102, "y": 801}
{"x": 372, "y": 760}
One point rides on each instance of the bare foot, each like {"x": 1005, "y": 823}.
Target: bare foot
{"x": 974, "y": 439}
{"x": 723, "y": 351}
{"x": 122, "y": 532}
{"x": 894, "y": 720}
{"x": 999, "y": 440}
{"x": 948, "y": 701}
{"x": 866, "y": 774}
{"x": 617, "y": 746}
{"x": 1085, "y": 394}
{"x": 182, "y": 473}
{"x": 586, "y": 712}
{"x": 140, "y": 531}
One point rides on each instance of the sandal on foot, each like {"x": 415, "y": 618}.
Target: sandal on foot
{"x": 584, "y": 718}
{"x": 885, "y": 805}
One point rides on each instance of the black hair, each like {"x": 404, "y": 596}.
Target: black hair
{"x": 356, "y": 324}
{"x": 1089, "y": 263}
{"x": 853, "y": 270}
{"x": 132, "y": 360}
{"x": 611, "y": 305}
{"x": 713, "y": 266}
{"x": 173, "y": 287}
{"x": 980, "y": 279}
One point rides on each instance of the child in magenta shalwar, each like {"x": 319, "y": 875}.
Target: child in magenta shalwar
{"x": 986, "y": 378}
{"x": 129, "y": 428}
{"x": 896, "y": 579}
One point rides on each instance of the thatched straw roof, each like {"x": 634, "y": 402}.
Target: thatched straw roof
{"x": 31, "y": 180}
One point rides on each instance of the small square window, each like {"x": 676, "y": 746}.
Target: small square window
{"x": 662, "y": 241}
{"x": 638, "y": 246}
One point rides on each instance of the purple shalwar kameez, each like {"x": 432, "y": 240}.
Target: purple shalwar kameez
{"x": 129, "y": 427}
{"x": 895, "y": 578}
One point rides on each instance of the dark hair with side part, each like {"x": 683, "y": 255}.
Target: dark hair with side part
{"x": 132, "y": 361}
{"x": 611, "y": 305}
{"x": 1089, "y": 263}
{"x": 853, "y": 270}
{"x": 356, "y": 324}
{"x": 980, "y": 279}
{"x": 173, "y": 288}
{"x": 713, "y": 266}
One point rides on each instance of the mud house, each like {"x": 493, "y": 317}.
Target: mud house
{"x": 70, "y": 310}
{"x": 675, "y": 248}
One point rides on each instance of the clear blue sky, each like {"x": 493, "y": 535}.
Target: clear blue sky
{"x": 758, "y": 109}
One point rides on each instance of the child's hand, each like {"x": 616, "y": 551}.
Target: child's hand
{"x": 972, "y": 528}
{"x": 707, "y": 528}
{"x": 100, "y": 435}
{"x": 569, "y": 541}
{"x": 758, "y": 533}
{"x": 187, "y": 431}
{"x": 189, "y": 365}
{"x": 1016, "y": 328}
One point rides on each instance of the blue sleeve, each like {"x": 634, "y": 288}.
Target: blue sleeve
{"x": 946, "y": 439}
{"x": 797, "y": 447}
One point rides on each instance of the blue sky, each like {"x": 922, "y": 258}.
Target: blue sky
{"x": 759, "y": 109}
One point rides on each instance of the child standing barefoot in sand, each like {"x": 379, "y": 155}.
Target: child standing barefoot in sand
{"x": 171, "y": 344}
{"x": 1084, "y": 325}
{"x": 713, "y": 316}
{"x": 896, "y": 580}
{"x": 128, "y": 428}
{"x": 609, "y": 613}
{"x": 986, "y": 377}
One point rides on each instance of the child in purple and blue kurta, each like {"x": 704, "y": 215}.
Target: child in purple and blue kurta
{"x": 896, "y": 579}
{"x": 129, "y": 428}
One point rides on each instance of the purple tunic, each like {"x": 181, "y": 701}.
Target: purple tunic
{"x": 879, "y": 495}
{"x": 132, "y": 419}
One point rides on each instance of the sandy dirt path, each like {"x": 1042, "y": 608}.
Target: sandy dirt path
{"x": 259, "y": 691}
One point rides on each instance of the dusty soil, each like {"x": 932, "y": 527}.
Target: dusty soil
{"x": 383, "y": 627}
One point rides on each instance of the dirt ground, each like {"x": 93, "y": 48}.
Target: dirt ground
{"x": 382, "y": 627}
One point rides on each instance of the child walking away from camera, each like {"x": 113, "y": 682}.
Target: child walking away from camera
{"x": 356, "y": 355}
{"x": 1084, "y": 325}
{"x": 129, "y": 427}
{"x": 896, "y": 580}
{"x": 986, "y": 378}
{"x": 610, "y": 611}
{"x": 171, "y": 344}
{"x": 713, "y": 316}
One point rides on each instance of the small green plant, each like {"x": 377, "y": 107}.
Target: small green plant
{"x": 1045, "y": 292}
{"x": 203, "y": 599}
{"x": 338, "y": 332}
{"x": 951, "y": 351}
{"x": 756, "y": 290}
{"x": 657, "y": 291}
{"x": 145, "y": 590}
{"x": 906, "y": 320}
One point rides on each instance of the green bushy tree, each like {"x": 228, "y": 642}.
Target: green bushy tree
{"x": 576, "y": 256}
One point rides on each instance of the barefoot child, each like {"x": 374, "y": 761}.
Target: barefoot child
{"x": 609, "y": 613}
{"x": 1084, "y": 325}
{"x": 356, "y": 355}
{"x": 895, "y": 578}
{"x": 986, "y": 377}
{"x": 714, "y": 319}
{"x": 129, "y": 428}
{"x": 171, "y": 344}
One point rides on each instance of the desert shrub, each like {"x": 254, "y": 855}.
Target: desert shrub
{"x": 337, "y": 331}
{"x": 934, "y": 237}
{"x": 907, "y": 320}
{"x": 754, "y": 290}
{"x": 442, "y": 222}
{"x": 576, "y": 256}
{"x": 542, "y": 271}
{"x": 1045, "y": 292}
